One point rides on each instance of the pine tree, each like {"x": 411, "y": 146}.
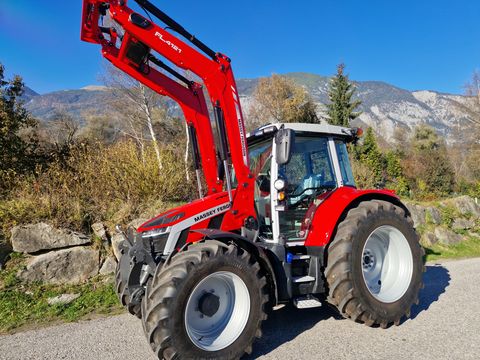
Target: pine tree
{"x": 15, "y": 149}
{"x": 370, "y": 155}
{"x": 341, "y": 109}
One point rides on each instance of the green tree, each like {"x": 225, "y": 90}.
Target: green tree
{"x": 430, "y": 171}
{"x": 16, "y": 148}
{"x": 280, "y": 99}
{"x": 342, "y": 106}
{"x": 370, "y": 155}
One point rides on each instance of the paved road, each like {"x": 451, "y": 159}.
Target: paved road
{"x": 446, "y": 325}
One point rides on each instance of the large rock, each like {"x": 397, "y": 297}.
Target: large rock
{"x": 101, "y": 231}
{"x": 465, "y": 205}
{"x": 435, "y": 215}
{"x": 70, "y": 266}
{"x": 37, "y": 237}
{"x": 447, "y": 237}
{"x": 463, "y": 224}
{"x": 109, "y": 266}
{"x": 429, "y": 239}
{"x": 418, "y": 213}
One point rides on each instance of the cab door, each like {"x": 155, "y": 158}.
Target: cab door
{"x": 309, "y": 174}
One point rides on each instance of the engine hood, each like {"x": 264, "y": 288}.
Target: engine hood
{"x": 197, "y": 211}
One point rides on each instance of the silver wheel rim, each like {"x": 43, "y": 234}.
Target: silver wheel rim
{"x": 218, "y": 331}
{"x": 387, "y": 264}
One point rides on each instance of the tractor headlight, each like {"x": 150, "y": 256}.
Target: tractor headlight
{"x": 156, "y": 232}
{"x": 157, "y": 239}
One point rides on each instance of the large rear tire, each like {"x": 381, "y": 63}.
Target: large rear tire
{"x": 208, "y": 302}
{"x": 121, "y": 287}
{"x": 375, "y": 264}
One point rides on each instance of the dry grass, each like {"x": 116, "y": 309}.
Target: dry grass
{"x": 97, "y": 183}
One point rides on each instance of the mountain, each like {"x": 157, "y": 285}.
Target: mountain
{"x": 384, "y": 106}
{"x": 28, "y": 94}
{"x": 77, "y": 103}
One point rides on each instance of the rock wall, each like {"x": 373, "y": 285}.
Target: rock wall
{"x": 446, "y": 222}
{"x": 61, "y": 256}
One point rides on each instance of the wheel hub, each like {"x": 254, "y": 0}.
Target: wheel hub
{"x": 217, "y": 311}
{"x": 368, "y": 260}
{"x": 209, "y": 304}
{"x": 387, "y": 264}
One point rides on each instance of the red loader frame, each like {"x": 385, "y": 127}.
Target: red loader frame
{"x": 131, "y": 53}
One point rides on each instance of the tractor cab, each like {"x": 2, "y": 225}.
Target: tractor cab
{"x": 296, "y": 166}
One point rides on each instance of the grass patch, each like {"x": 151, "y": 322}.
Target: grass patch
{"x": 466, "y": 249}
{"x": 23, "y": 305}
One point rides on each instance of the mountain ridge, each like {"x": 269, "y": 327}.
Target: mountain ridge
{"x": 384, "y": 106}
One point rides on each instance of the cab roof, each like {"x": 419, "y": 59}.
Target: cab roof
{"x": 327, "y": 129}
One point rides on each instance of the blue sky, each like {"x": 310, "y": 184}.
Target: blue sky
{"x": 413, "y": 44}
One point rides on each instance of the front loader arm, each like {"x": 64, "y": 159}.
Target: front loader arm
{"x": 131, "y": 53}
{"x": 190, "y": 98}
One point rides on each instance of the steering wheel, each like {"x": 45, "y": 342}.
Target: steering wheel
{"x": 307, "y": 197}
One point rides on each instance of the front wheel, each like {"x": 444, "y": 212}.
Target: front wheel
{"x": 207, "y": 303}
{"x": 375, "y": 264}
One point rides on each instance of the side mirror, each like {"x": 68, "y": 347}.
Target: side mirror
{"x": 284, "y": 140}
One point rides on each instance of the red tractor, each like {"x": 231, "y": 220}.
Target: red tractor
{"x": 280, "y": 219}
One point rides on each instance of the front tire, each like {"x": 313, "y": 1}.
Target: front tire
{"x": 208, "y": 302}
{"x": 375, "y": 264}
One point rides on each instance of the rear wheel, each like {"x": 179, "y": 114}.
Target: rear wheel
{"x": 208, "y": 302}
{"x": 375, "y": 264}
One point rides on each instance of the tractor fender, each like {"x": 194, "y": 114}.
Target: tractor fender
{"x": 336, "y": 206}
{"x": 258, "y": 252}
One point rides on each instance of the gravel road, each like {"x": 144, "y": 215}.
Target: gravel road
{"x": 446, "y": 325}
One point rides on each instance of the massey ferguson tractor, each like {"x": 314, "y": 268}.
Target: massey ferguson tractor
{"x": 278, "y": 219}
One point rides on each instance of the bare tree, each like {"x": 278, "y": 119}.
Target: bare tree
{"x": 135, "y": 105}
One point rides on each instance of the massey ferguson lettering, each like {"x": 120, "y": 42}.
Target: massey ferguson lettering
{"x": 213, "y": 212}
{"x": 168, "y": 42}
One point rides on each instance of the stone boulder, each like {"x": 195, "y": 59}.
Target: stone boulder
{"x": 463, "y": 224}
{"x": 429, "y": 239}
{"x": 33, "y": 238}
{"x": 417, "y": 212}
{"x": 100, "y": 230}
{"x": 447, "y": 237}
{"x": 109, "y": 266}
{"x": 63, "y": 299}
{"x": 465, "y": 205}
{"x": 67, "y": 266}
{"x": 435, "y": 215}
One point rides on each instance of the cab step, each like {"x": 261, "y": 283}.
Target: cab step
{"x": 300, "y": 257}
{"x": 306, "y": 302}
{"x": 303, "y": 279}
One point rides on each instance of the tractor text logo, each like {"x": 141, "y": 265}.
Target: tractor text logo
{"x": 168, "y": 42}
{"x": 212, "y": 212}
